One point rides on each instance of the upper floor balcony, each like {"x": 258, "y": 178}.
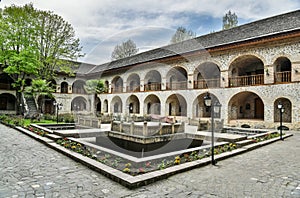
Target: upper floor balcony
{"x": 243, "y": 81}
{"x": 209, "y": 83}
{"x": 152, "y": 87}
{"x": 176, "y": 85}
{"x": 282, "y": 77}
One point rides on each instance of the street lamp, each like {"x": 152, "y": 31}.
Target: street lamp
{"x": 281, "y": 110}
{"x": 58, "y": 107}
{"x": 214, "y": 108}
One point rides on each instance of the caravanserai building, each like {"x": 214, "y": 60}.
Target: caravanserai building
{"x": 248, "y": 69}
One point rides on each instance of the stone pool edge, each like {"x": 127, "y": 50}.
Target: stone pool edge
{"x": 147, "y": 178}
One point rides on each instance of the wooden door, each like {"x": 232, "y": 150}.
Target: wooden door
{"x": 259, "y": 109}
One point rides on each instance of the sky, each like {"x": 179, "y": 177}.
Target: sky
{"x": 102, "y": 24}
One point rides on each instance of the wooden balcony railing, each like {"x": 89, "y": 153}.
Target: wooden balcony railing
{"x": 133, "y": 88}
{"x": 152, "y": 87}
{"x": 282, "y": 77}
{"x": 117, "y": 89}
{"x": 242, "y": 81}
{"x": 176, "y": 85}
{"x": 209, "y": 83}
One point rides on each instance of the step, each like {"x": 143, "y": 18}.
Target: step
{"x": 53, "y": 136}
{"x": 244, "y": 143}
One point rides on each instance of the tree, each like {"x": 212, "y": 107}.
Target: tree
{"x": 182, "y": 34}
{"x": 56, "y": 43}
{"x": 126, "y": 49}
{"x": 39, "y": 87}
{"x": 230, "y": 20}
{"x": 18, "y": 54}
{"x": 94, "y": 86}
{"x": 35, "y": 43}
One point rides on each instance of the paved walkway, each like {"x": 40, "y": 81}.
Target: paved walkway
{"x": 30, "y": 169}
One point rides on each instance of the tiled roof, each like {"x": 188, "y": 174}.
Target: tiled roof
{"x": 262, "y": 28}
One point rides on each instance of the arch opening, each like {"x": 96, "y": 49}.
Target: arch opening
{"x": 176, "y": 79}
{"x": 287, "y": 113}
{"x": 246, "y": 70}
{"x": 176, "y": 105}
{"x": 246, "y": 105}
{"x": 153, "y": 81}
{"x": 117, "y": 85}
{"x": 133, "y": 83}
{"x": 207, "y": 75}
{"x": 283, "y": 69}
{"x": 152, "y": 105}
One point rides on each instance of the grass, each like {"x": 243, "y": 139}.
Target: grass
{"x": 27, "y": 122}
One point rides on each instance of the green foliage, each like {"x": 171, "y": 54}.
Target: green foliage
{"x": 230, "y": 20}
{"x": 182, "y": 34}
{"x": 94, "y": 86}
{"x": 39, "y": 87}
{"x": 126, "y": 49}
{"x": 36, "y": 43}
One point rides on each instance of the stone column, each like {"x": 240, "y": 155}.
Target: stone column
{"x": 124, "y": 87}
{"x": 109, "y": 88}
{"x": 224, "y": 82}
{"x": 190, "y": 80}
{"x": 70, "y": 89}
{"x": 142, "y": 88}
{"x": 145, "y": 129}
{"x": 269, "y": 74}
{"x": 163, "y": 83}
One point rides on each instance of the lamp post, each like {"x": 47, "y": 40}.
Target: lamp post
{"x": 58, "y": 107}
{"x": 281, "y": 110}
{"x": 214, "y": 107}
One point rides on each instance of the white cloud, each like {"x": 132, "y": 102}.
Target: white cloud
{"x": 97, "y": 22}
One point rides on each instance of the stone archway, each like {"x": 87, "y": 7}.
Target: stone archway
{"x": 45, "y": 105}
{"x": 64, "y": 87}
{"x": 153, "y": 81}
{"x": 283, "y": 68}
{"x": 133, "y": 83}
{"x": 176, "y": 79}
{"x": 207, "y": 75}
{"x": 7, "y": 102}
{"x": 176, "y": 105}
{"x": 78, "y": 87}
{"x": 246, "y": 70}
{"x": 152, "y": 105}
{"x": 287, "y": 114}
{"x": 79, "y": 104}
{"x": 98, "y": 105}
{"x": 199, "y": 108}
{"x": 246, "y": 105}
{"x": 117, "y": 85}
{"x": 105, "y": 104}
{"x": 133, "y": 104}
{"x": 116, "y": 105}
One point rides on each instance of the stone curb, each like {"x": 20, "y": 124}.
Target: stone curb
{"x": 132, "y": 182}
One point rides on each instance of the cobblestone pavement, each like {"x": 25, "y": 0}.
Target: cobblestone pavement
{"x": 30, "y": 169}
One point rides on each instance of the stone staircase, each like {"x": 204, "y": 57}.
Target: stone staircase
{"x": 32, "y": 108}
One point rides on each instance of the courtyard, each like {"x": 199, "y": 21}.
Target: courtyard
{"x": 30, "y": 169}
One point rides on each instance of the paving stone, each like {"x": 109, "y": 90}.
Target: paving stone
{"x": 30, "y": 169}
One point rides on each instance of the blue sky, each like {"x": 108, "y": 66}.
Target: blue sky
{"x": 102, "y": 24}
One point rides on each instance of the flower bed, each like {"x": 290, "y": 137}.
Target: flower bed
{"x": 36, "y": 130}
{"x": 134, "y": 168}
{"x": 265, "y": 137}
